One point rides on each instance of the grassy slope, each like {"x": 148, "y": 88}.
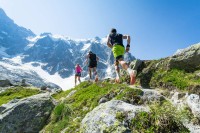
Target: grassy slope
{"x": 16, "y": 92}
{"x": 70, "y": 112}
{"x": 157, "y": 74}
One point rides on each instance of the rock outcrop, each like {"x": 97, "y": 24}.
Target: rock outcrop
{"x": 187, "y": 59}
{"x": 193, "y": 101}
{"x": 105, "y": 117}
{"x": 151, "y": 96}
{"x": 27, "y": 115}
{"x": 5, "y": 83}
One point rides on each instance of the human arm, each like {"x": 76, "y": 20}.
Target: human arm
{"x": 87, "y": 57}
{"x": 108, "y": 42}
{"x": 75, "y": 69}
{"x": 128, "y": 42}
{"x": 97, "y": 58}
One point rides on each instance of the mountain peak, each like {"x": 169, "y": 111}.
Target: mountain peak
{"x": 2, "y": 12}
{"x": 46, "y": 34}
{"x": 3, "y": 16}
{"x": 14, "y": 34}
{"x": 97, "y": 38}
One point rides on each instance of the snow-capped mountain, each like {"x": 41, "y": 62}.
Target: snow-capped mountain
{"x": 15, "y": 72}
{"x": 54, "y": 55}
{"x": 12, "y": 37}
{"x": 61, "y": 54}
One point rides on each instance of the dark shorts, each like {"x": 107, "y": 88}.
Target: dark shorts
{"x": 119, "y": 57}
{"x": 78, "y": 74}
{"x": 92, "y": 64}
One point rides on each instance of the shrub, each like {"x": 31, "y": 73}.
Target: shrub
{"x": 60, "y": 112}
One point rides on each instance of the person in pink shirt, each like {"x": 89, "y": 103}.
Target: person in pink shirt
{"x": 78, "y": 71}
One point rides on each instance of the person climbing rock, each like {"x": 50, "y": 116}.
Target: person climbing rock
{"x": 78, "y": 71}
{"x": 115, "y": 42}
{"x": 92, "y": 64}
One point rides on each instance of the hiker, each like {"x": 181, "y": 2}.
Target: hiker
{"x": 115, "y": 42}
{"x": 78, "y": 71}
{"x": 92, "y": 64}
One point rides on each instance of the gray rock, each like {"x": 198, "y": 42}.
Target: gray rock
{"x": 5, "y": 83}
{"x": 135, "y": 64}
{"x": 151, "y": 95}
{"x": 71, "y": 94}
{"x": 103, "y": 117}
{"x": 187, "y": 59}
{"x": 27, "y": 115}
{"x": 23, "y": 83}
{"x": 177, "y": 95}
{"x": 43, "y": 88}
{"x": 193, "y": 101}
{"x": 178, "y": 99}
{"x": 103, "y": 100}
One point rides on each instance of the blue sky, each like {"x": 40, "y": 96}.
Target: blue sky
{"x": 157, "y": 27}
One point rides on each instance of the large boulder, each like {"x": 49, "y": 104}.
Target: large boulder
{"x": 5, "y": 83}
{"x": 187, "y": 59}
{"x": 112, "y": 116}
{"x": 135, "y": 64}
{"x": 27, "y": 115}
{"x": 193, "y": 101}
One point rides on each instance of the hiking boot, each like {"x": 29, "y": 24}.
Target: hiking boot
{"x": 133, "y": 77}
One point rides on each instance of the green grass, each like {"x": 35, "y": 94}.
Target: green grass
{"x": 59, "y": 118}
{"x": 163, "y": 118}
{"x": 157, "y": 74}
{"x": 61, "y": 94}
{"x": 17, "y": 92}
{"x": 84, "y": 100}
{"x": 177, "y": 78}
{"x": 130, "y": 94}
{"x": 70, "y": 111}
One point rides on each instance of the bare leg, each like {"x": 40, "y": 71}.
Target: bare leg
{"x": 75, "y": 80}
{"x": 95, "y": 73}
{"x": 89, "y": 69}
{"x": 123, "y": 64}
{"x": 79, "y": 79}
{"x": 131, "y": 72}
{"x": 117, "y": 70}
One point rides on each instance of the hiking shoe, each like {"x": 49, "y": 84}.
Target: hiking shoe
{"x": 96, "y": 79}
{"x": 117, "y": 80}
{"x": 133, "y": 77}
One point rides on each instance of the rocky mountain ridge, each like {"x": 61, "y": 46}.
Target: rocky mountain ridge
{"x": 54, "y": 54}
{"x": 164, "y": 99}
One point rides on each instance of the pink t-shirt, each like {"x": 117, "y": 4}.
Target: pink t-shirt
{"x": 78, "y": 69}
